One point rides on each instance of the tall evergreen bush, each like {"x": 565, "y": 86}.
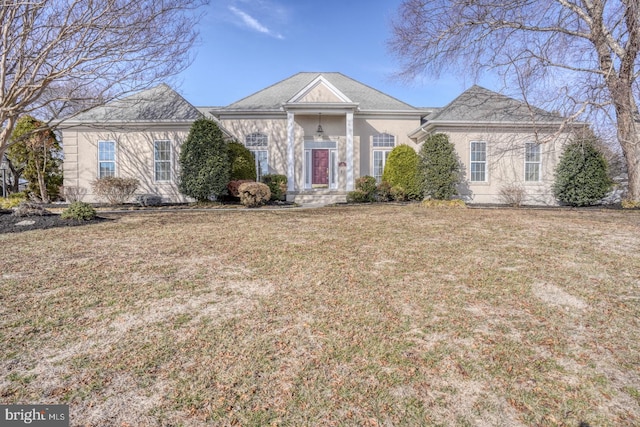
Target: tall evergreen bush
{"x": 401, "y": 170}
{"x": 581, "y": 177}
{"x": 204, "y": 162}
{"x": 243, "y": 165}
{"x": 439, "y": 168}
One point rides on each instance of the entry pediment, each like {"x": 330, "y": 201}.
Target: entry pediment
{"x": 319, "y": 91}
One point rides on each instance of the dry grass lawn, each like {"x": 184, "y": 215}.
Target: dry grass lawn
{"x": 367, "y": 316}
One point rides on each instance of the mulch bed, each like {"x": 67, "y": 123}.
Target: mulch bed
{"x": 14, "y": 224}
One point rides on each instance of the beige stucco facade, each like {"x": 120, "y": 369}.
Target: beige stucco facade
{"x": 134, "y": 157}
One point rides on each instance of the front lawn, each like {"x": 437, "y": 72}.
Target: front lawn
{"x": 375, "y": 315}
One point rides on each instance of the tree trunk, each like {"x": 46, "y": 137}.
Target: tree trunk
{"x": 630, "y": 142}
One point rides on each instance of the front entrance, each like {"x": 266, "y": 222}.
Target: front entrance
{"x": 320, "y": 170}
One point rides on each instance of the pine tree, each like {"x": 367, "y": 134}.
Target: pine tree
{"x": 204, "y": 162}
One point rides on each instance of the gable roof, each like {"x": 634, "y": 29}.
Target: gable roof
{"x": 478, "y": 104}
{"x": 273, "y": 97}
{"x": 159, "y": 103}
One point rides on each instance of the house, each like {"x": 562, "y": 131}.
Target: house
{"x": 323, "y": 131}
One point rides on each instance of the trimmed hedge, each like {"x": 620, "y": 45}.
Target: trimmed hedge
{"x": 254, "y": 194}
{"x": 277, "y": 185}
{"x": 401, "y": 169}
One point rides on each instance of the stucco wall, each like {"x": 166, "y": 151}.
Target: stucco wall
{"x": 134, "y": 158}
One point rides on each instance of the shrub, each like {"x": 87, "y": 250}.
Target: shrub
{"x": 74, "y": 194}
{"x": 512, "y": 195}
{"x": 439, "y": 168}
{"x": 254, "y": 194}
{"x": 80, "y": 211}
{"x": 581, "y": 177}
{"x": 401, "y": 169}
{"x": 630, "y": 204}
{"x": 148, "y": 200}
{"x": 277, "y": 184}
{"x": 367, "y": 184}
{"x": 13, "y": 200}
{"x": 398, "y": 194}
{"x": 30, "y": 209}
{"x": 114, "y": 190}
{"x": 383, "y": 192}
{"x": 204, "y": 162}
{"x": 357, "y": 196}
{"x": 243, "y": 165}
{"x": 234, "y": 186}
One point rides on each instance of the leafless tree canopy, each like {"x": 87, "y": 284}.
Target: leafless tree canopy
{"x": 582, "y": 54}
{"x": 60, "y": 57}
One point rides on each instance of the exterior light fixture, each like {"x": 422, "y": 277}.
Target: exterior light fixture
{"x": 320, "y": 131}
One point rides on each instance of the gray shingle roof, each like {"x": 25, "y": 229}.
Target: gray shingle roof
{"x": 159, "y": 103}
{"x": 272, "y": 97}
{"x": 478, "y": 104}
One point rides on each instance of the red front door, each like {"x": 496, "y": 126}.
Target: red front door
{"x": 320, "y": 175}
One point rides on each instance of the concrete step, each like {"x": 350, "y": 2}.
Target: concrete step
{"x": 319, "y": 198}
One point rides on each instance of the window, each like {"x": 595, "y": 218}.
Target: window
{"x": 381, "y": 140}
{"x": 532, "y": 162}
{"x": 106, "y": 159}
{"x": 254, "y": 142}
{"x": 478, "y": 161}
{"x": 162, "y": 160}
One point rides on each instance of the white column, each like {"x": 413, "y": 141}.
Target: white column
{"x": 291, "y": 153}
{"x": 350, "y": 166}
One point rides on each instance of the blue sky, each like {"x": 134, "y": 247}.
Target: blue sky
{"x": 247, "y": 45}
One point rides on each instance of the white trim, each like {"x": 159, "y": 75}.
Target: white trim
{"x": 539, "y": 163}
{"x": 291, "y": 176}
{"x": 114, "y": 161}
{"x": 320, "y": 80}
{"x": 350, "y": 160}
{"x": 170, "y": 161}
{"x": 485, "y": 162}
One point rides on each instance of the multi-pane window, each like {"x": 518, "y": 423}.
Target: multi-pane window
{"x": 478, "y": 161}
{"x": 162, "y": 160}
{"x": 106, "y": 159}
{"x": 381, "y": 140}
{"x": 254, "y": 142}
{"x": 532, "y": 162}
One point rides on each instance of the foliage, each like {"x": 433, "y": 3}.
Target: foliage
{"x": 115, "y": 190}
{"x": 398, "y": 193}
{"x": 444, "y": 204}
{"x": 277, "y": 184}
{"x": 630, "y": 204}
{"x": 80, "y": 211}
{"x": 439, "y": 168}
{"x": 148, "y": 200}
{"x": 357, "y": 196}
{"x": 13, "y": 200}
{"x": 204, "y": 167}
{"x": 401, "y": 169}
{"x": 512, "y": 195}
{"x": 383, "y": 192}
{"x": 36, "y": 151}
{"x": 254, "y": 194}
{"x": 581, "y": 177}
{"x": 367, "y": 184}
{"x": 29, "y": 209}
{"x": 234, "y": 187}
{"x": 242, "y": 163}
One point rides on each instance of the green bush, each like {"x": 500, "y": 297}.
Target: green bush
{"x": 277, "y": 184}
{"x": 243, "y": 165}
{"x": 80, "y": 211}
{"x": 398, "y": 193}
{"x": 383, "y": 192}
{"x": 357, "y": 196}
{"x": 581, "y": 177}
{"x": 114, "y": 190}
{"x": 367, "y": 185}
{"x": 401, "y": 170}
{"x": 254, "y": 194}
{"x": 439, "y": 168}
{"x": 13, "y": 200}
{"x": 204, "y": 162}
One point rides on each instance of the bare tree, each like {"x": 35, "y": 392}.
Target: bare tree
{"x": 581, "y": 53}
{"x": 59, "y": 57}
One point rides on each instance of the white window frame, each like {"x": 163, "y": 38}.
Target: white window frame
{"x": 257, "y": 143}
{"x": 474, "y": 161}
{"x": 107, "y": 161}
{"x": 536, "y": 163}
{"x": 384, "y": 142}
{"x": 157, "y": 162}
